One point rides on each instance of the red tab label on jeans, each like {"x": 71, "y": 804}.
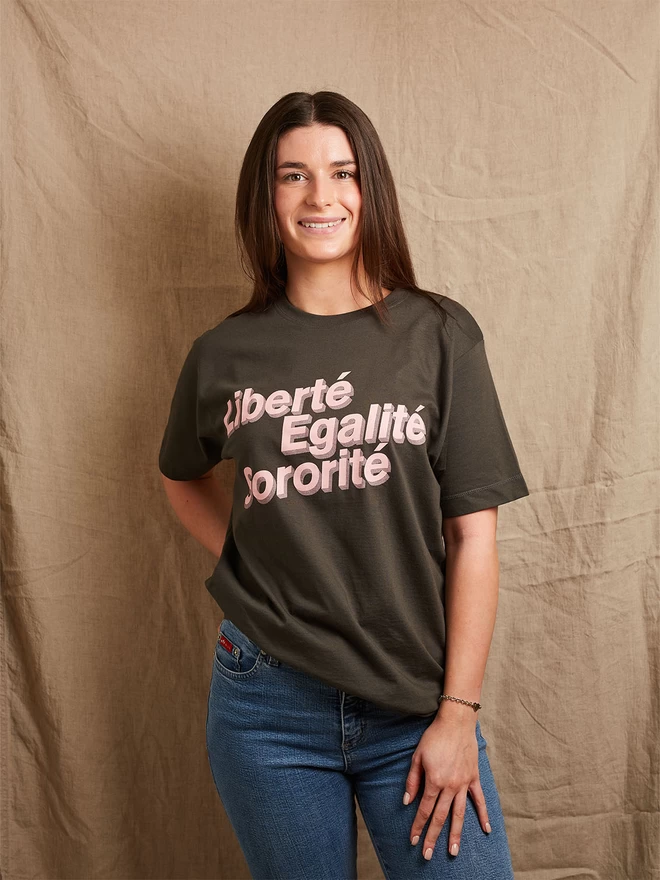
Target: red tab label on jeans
{"x": 226, "y": 644}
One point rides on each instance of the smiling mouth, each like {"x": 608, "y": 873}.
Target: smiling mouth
{"x": 329, "y": 225}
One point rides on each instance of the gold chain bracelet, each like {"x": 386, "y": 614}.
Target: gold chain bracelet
{"x": 475, "y": 706}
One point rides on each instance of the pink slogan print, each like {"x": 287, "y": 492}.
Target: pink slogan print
{"x": 321, "y": 436}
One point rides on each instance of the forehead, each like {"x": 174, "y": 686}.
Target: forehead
{"x": 314, "y": 144}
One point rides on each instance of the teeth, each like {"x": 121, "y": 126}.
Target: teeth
{"x": 320, "y": 225}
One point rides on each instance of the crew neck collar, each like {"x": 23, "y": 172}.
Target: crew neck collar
{"x": 293, "y": 313}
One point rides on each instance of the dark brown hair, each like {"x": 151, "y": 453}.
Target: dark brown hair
{"x": 385, "y": 253}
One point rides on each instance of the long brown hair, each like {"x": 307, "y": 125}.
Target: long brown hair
{"x": 382, "y": 242}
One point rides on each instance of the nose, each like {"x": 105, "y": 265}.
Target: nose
{"x": 321, "y": 192}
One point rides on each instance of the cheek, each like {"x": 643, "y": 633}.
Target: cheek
{"x": 354, "y": 204}
{"x": 281, "y": 214}
{"x": 284, "y": 206}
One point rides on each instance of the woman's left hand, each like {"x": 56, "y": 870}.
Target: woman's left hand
{"x": 448, "y": 753}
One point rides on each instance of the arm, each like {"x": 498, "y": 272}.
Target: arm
{"x": 471, "y": 596}
{"x": 203, "y": 507}
{"x": 448, "y": 753}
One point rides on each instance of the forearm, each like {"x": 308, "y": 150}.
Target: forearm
{"x": 203, "y": 507}
{"x": 471, "y": 596}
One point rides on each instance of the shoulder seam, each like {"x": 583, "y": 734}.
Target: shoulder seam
{"x": 471, "y": 348}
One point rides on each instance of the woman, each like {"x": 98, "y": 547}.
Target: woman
{"x": 358, "y": 568}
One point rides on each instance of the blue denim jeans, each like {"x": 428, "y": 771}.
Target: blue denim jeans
{"x": 289, "y": 756}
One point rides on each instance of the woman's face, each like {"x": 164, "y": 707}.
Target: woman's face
{"x": 317, "y": 189}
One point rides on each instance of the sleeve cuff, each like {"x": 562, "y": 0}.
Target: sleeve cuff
{"x": 484, "y": 497}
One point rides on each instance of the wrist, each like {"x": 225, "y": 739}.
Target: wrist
{"x": 460, "y": 713}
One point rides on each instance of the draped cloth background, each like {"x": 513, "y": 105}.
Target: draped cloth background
{"x": 523, "y": 137}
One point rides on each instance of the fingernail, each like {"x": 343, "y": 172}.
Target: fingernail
{"x": 488, "y": 828}
{"x": 406, "y": 798}
{"x": 415, "y": 840}
{"x": 428, "y": 853}
{"x": 454, "y": 849}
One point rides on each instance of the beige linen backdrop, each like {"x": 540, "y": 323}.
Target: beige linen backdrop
{"x": 523, "y": 138}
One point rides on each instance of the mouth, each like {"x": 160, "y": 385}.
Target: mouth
{"x": 322, "y": 228}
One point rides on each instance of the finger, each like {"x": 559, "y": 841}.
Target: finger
{"x": 437, "y": 822}
{"x": 424, "y": 811}
{"x": 477, "y": 795}
{"x": 413, "y": 779}
{"x": 457, "y": 818}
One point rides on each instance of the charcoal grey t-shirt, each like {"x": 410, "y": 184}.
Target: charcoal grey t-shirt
{"x": 351, "y": 440}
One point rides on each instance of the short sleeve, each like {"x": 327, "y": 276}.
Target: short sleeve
{"x": 185, "y": 453}
{"x": 478, "y": 467}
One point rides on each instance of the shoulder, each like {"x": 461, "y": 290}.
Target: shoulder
{"x": 464, "y": 322}
{"x": 460, "y": 325}
{"x": 230, "y": 330}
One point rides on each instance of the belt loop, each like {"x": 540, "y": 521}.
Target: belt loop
{"x": 270, "y": 660}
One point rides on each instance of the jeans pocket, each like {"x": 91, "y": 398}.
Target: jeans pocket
{"x": 236, "y": 655}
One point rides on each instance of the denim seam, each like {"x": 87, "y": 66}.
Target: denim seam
{"x": 237, "y": 676}
{"x": 381, "y": 858}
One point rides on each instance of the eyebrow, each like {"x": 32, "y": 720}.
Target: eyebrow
{"x": 338, "y": 164}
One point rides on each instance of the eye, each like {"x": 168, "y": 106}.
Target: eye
{"x": 298, "y": 174}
